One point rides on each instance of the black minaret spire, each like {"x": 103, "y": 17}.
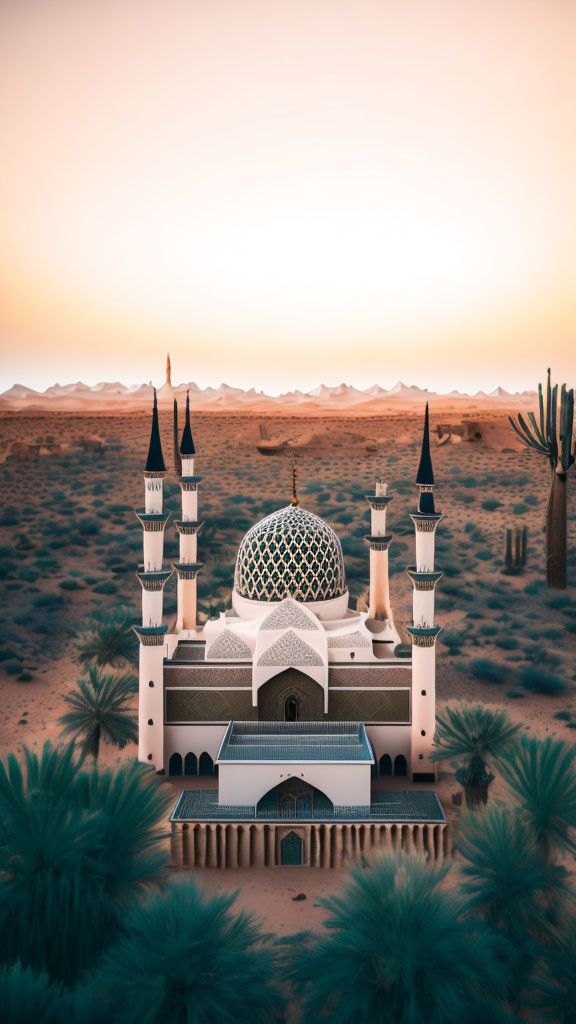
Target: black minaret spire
{"x": 425, "y": 475}
{"x": 155, "y": 460}
{"x": 187, "y": 448}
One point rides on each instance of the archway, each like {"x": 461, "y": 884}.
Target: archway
{"x": 291, "y": 709}
{"x": 294, "y": 798}
{"x": 291, "y": 849}
{"x": 205, "y": 765}
{"x": 291, "y": 685}
{"x": 400, "y": 765}
{"x": 386, "y": 765}
{"x": 175, "y": 765}
{"x": 190, "y": 764}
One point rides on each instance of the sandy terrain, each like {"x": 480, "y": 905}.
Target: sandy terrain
{"x": 70, "y": 544}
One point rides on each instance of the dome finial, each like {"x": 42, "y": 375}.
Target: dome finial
{"x": 295, "y": 501}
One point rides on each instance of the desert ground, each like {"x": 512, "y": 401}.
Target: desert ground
{"x": 70, "y": 545}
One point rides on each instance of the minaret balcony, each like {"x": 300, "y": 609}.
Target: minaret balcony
{"x": 190, "y": 483}
{"x": 423, "y": 636}
{"x": 153, "y": 522}
{"x": 426, "y": 522}
{"x": 423, "y": 580}
{"x": 187, "y": 526}
{"x": 187, "y": 570}
{"x": 154, "y": 474}
{"x": 151, "y": 636}
{"x": 153, "y": 580}
{"x": 378, "y": 543}
{"x": 379, "y": 501}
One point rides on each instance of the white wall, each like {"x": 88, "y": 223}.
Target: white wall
{"x": 390, "y": 739}
{"x": 192, "y": 739}
{"x": 247, "y": 783}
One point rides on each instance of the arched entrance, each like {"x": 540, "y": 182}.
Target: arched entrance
{"x": 205, "y": 765}
{"x": 400, "y": 765}
{"x": 175, "y": 765}
{"x": 291, "y": 692}
{"x": 291, "y": 709}
{"x": 190, "y": 764}
{"x": 294, "y": 798}
{"x": 386, "y": 765}
{"x": 291, "y": 849}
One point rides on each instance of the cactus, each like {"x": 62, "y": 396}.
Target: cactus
{"x": 553, "y": 437}
{"x": 515, "y": 548}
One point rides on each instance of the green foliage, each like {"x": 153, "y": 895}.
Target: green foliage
{"x": 555, "y": 988}
{"x": 491, "y": 504}
{"x": 28, "y": 997}
{"x": 538, "y": 680}
{"x": 399, "y": 948}
{"x": 506, "y": 879}
{"x": 473, "y": 733}
{"x": 101, "y": 709}
{"x": 552, "y": 436}
{"x": 75, "y": 846}
{"x": 188, "y": 957}
{"x": 488, "y": 671}
{"x": 108, "y": 639}
{"x": 542, "y": 774}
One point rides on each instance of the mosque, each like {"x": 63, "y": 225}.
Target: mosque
{"x": 294, "y": 700}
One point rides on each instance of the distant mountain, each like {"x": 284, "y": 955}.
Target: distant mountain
{"x": 338, "y": 396}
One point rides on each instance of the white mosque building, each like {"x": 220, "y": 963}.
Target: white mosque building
{"x": 295, "y": 700}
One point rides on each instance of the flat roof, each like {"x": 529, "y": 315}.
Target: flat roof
{"x": 404, "y": 807}
{"x": 302, "y": 742}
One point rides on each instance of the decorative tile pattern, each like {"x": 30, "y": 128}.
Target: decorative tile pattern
{"x": 374, "y": 678}
{"x": 406, "y": 806}
{"x": 355, "y": 639}
{"x": 289, "y": 650}
{"x": 216, "y": 675}
{"x": 369, "y": 705}
{"x": 229, "y": 645}
{"x": 209, "y": 706}
{"x": 289, "y": 614}
{"x": 291, "y": 552}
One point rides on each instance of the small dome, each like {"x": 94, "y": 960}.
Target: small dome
{"x": 291, "y": 552}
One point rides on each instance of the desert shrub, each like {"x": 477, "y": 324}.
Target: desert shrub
{"x": 469, "y": 481}
{"x": 491, "y": 504}
{"x": 486, "y": 670}
{"x": 105, "y": 587}
{"x": 507, "y": 643}
{"x": 514, "y": 693}
{"x": 12, "y": 666}
{"x": 531, "y": 499}
{"x": 520, "y": 508}
{"x": 538, "y": 680}
{"x": 25, "y": 677}
{"x": 70, "y": 584}
{"x": 48, "y": 600}
{"x": 559, "y": 601}
{"x": 488, "y": 629}
{"x": 563, "y": 716}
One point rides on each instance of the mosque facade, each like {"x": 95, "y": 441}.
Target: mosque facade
{"x": 293, "y": 698}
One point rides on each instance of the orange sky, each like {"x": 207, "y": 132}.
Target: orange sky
{"x": 287, "y": 191}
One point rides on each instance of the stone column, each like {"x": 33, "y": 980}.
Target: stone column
{"x": 271, "y": 845}
{"x": 338, "y": 846}
{"x": 222, "y": 846}
{"x": 212, "y": 852}
{"x": 419, "y": 839}
{"x": 201, "y": 840}
{"x": 347, "y": 836}
{"x": 244, "y": 847}
{"x": 326, "y": 848}
{"x": 317, "y": 841}
{"x": 176, "y": 851}
{"x": 232, "y": 843}
{"x": 259, "y": 847}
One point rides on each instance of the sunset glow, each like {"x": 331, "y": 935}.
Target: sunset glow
{"x": 287, "y": 192}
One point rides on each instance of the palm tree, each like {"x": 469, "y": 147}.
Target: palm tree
{"x": 187, "y": 957}
{"x": 543, "y": 776}
{"x": 553, "y": 437}
{"x": 506, "y": 880}
{"x": 400, "y": 948}
{"x": 108, "y": 639}
{"x": 75, "y": 847}
{"x": 101, "y": 709}
{"x": 555, "y": 987}
{"x": 28, "y": 997}
{"x": 472, "y": 733}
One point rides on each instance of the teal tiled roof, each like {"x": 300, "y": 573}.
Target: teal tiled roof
{"x": 406, "y": 807}
{"x": 296, "y": 741}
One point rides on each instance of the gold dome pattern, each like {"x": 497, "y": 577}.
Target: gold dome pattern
{"x": 290, "y": 553}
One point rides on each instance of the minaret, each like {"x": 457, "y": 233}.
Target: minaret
{"x": 423, "y": 631}
{"x": 379, "y": 610}
{"x": 153, "y": 577}
{"x": 168, "y": 383}
{"x": 188, "y": 527}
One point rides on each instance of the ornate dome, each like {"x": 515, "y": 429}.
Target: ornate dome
{"x": 290, "y": 552}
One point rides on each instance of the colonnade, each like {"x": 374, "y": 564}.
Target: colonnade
{"x": 251, "y": 844}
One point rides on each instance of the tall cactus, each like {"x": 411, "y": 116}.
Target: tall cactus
{"x": 553, "y": 437}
